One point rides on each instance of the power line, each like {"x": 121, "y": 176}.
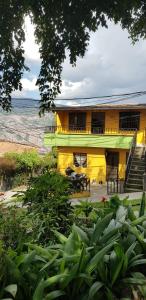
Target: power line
{"x": 140, "y": 93}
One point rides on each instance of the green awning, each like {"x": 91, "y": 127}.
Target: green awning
{"x": 87, "y": 140}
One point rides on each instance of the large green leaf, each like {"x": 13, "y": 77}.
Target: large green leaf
{"x": 62, "y": 238}
{"x": 73, "y": 244}
{"x": 109, "y": 294}
{"x": 138, "y": 220}
{"x": 134, "y": 281}
{"x": 96, "y": 259}
{"x": 82, "y": 234}
{"x": 54, "y": 295}
{"x": 142, "y": 205}
{"x": 100, "y": 226}
{"x": 94, "y": 289}
{"x": 138, "y": 262}
{"x": 26, "y": 262}
{"x": 41, "y": 251}
{"x": 50, "y": 262}
{"x": 121, "y": 214}
{"x": 116, "y": 263}
{"x": 38, "y": 294}
{"x": 127, "y": 257}
{"x": 11, "y": 289}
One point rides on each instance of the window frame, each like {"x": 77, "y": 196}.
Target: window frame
{"x": 124, "y": 126}
{"x": 75, "y": 125}
{"x": 76, "y": 164}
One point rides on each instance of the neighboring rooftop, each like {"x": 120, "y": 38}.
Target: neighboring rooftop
{"x": 129, "y": 101}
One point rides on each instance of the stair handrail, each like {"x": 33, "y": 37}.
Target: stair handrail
{"x": 130, "y": 156}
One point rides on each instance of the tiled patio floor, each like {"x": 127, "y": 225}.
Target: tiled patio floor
{"x": 99, "y": 191}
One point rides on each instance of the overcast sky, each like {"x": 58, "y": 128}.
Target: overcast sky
{"x": 111, "y": 65}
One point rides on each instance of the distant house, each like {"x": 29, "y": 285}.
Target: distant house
{"x": 105, "y": 141}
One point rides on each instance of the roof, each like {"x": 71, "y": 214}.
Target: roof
{"x": 106, "y": 103}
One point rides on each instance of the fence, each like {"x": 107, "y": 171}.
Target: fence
{"x": 115, "y": 186}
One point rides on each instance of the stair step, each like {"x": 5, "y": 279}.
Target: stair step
{"x": 132, "y": 180}
{"x": 134, "y": 186}
{"x": 137, "y": 168}
{"x": 137, "y": 161}
{"x": 131, "y": 190}
{"x": 135, "y": 175}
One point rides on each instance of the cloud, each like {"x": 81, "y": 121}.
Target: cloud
{"x": 30, "y": 46}
{"x": 29, "y": 85}
{"x": 111, "y": 65}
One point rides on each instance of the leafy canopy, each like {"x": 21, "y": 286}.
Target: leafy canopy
{"x": 60, "y": 25}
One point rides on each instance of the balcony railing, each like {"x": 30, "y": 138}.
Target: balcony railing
{"x": 89, "y": 130}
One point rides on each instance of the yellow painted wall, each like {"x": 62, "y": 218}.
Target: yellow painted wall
{"x": 96, "y": 162}
{"x": 111, "y": 124}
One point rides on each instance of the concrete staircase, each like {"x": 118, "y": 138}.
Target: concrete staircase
{"x": 137, "y": 168}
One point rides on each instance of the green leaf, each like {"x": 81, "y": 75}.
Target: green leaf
{"x": 50, "y": 262}
{"x": 94, "y": 289}
{"x": 142, "y": 205}
{"x": 135, "y": 281}
{"x": 28, "y": 259}
{"x": 54, "y": 295}
{"x": 41, "y": 251}
{"x": 121, "y": 214}
{"x": 131, "y": 214}
{"x": 138, "y": 220}
{"x": 100, "y": 226}
{"x": 72, "y": 244}
{"x": 96, "y": 259}
{"x": 138, "y": 262}
{"x": 117, "y": 263}
{"x": 55, "y": 279}
{"x": 38, "y": 294}
{"x": 130, "y": 250}
{"x": 82, "y": 234}
{"x": 110, "y": 295}
{"x": 62, "y": 238}
{"x": 11, "y": 289}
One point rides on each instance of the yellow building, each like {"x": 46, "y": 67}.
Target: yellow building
{"x": 97, "y": 140}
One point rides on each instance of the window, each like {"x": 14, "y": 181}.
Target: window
{"x": 80, "y": 159}
{"x": 77, "y": 121}
{"x": 129, "y": 120}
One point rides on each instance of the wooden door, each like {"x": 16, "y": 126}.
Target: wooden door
{"x": 112, "y": 164}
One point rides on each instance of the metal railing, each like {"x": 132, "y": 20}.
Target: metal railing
{"x": 115, "y": 186}
{"x": 130, "y": 156}
{"x": 88, "y": 130}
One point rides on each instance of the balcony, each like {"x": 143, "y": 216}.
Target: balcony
{"x": 81, "y": 137}
{"x": 89, "y": 130}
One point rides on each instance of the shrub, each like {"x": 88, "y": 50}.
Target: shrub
{"x": 14, "y": 227}
{"x": 48, "y": 205}
{"x": 26, "y": 161}
{"x": 106, "y": 261}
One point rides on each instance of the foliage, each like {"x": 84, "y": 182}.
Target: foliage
{"x": 17, "y": 168}
{"x": 14, "y": 227}
{"x": 59, "y": 26}
{"x": 106, "y": 261}
{"x": 142, "y": 205}
{"x": 85, "y": 207}
{"x": 25, "y": 161}
{"x": 48, "y": 205}
{"x": 49, "y": 161}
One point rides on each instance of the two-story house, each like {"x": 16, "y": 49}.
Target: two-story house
{"x": 101, "y": 140}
